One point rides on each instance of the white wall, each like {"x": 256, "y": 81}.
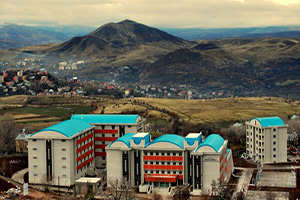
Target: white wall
{"x": 114, "y": 165}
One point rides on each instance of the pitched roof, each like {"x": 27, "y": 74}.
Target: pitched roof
{"x": 125, "y": 139}
{"x": 68, "y": 128}
{"x": 107, "y": 119}
{"x": 269, "y": 121}
{"x": 214, "y": 141}
{"x": 169, "y": 138}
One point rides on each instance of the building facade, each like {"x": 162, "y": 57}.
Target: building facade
{"x": 108, "y": 128}
{"x": 266, "y": 140}
{"x": 60, "y": 154}
{"x": 22, "y": 143}
{"x": 168, "y": 161}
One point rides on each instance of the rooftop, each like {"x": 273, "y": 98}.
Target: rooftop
{"x": 107, "y": 119}
{"x": 68, "y": 128}
{"x": 169, "y": 138}
{"x": 140, "y": 135}
{"x": 125, "y": 139}
{"x": 214, "y": 141}
{"x": 269, "y": 121}
{"x": 193, "y": 135}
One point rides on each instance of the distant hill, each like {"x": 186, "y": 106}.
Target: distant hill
{"x": 126, "y": 42}
{"x": 247, "y": 66}
{"x": 222, "y": 33}
{"x": 17, "y": 36}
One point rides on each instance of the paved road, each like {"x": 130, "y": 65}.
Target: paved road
{"x": 244, "y": 181}
{"x": 19, "y": 176}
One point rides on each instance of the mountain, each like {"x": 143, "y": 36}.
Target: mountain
{"x": 16, "y": 36}
{"x": 126, "y": 42}
{"x": 222, "y": 33}
{"x": 246, "y": 66}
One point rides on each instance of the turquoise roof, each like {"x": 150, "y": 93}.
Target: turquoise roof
{"x": 269, "y": 121}
{"x": 125, "y": 139}
{"x": 107, "y": 119}
{"x": 68, "y": 128}
{"x": 169, "y": 138}
{"x": 214, "y": 141}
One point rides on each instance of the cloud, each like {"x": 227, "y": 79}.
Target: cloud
{"x": 158, "y": 13}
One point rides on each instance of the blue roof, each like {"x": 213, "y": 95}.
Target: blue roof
{"x": 125, "y": 139}
{"x": 68, "y": 128}
{"x": 107, "y": 119}
{"x": 269, "y": 121}
{"x": 214, "y": 141}
{"x": 169, "y": 138}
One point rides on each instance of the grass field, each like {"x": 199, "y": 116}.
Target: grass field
{"x": 215, "y": 110}
{"x": 194, "y": 111}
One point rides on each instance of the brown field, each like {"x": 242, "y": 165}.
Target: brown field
{"x": 214, "y": 110}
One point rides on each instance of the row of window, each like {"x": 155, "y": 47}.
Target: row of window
{"x": 163, "y": 154}
{"x": 163, "y": 172}
{"x": 84, "y": 143}
{"x": 162, "y": 163}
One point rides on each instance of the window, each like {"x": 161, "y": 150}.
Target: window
{"x": 168, "y": 154}
{"x": 168, "y": 163}
{"x": 34, "y": 140}
{"x": 274, "y": 142}
{"x": 113, "y": 135}
{"x": 129, "y": 126}
{"x": 103, "y": 143}
{"x": 64, "y": 158}
{"x": 34, "y": 149}
{"x": 34, "y": 157}
{"x": 35, "y": 175}
{"x": 64, "y": 166}
{"x": 151, "y": 153}
{"x": 151, "y": 163}
{"x": 157, "y": 163}
{"x": 34, "y": 165}
{"x": 274, "y": 129}
{"x": 274, "y": 156}
{"x": 113, "y": 126}
{"x": 274, "y": 136}
{"x": 162, "y": 154}
{"x": 274, "y": 149}
{"x": 63, "y": 140}
{"x": 63, "y": 149}
{"x": 162, "y": 163}
{"x": 64, "y": 176}
{"x": 103, "y": 135}
{"x": 157, "y": 172}
{"x": 103, "y": 126}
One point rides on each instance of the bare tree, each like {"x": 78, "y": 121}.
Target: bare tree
{"x": 120, "y": 189}
{"x": 182, "y": 192}
{"x": 8, "y": 134}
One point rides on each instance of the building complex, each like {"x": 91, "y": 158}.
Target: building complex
{"x": 168, "y": 161}
{"x": 62, "y": 153}
{"x": 266, "y": 140}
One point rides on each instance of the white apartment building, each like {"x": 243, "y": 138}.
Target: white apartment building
{"x": 266, "y": 140}
{"x": 60, "y": 154}
{"x": 168, "y": 161}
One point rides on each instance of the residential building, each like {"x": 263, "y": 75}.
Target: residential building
{"x": 60, "y": 154}
{"x": 168, "y": 161}
{"x": 22, "y": 143}
{"x": 266, "y": 140}
{"x": 109, "y": 128}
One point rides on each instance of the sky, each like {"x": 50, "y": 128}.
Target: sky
{"x": 157, "y": 13}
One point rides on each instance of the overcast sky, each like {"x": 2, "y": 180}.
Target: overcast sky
{"x": 157, "y": 13}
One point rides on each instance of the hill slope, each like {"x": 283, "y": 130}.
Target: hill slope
{"x": 246, "y": 66}
{"x": 126, "y": 42}
{"x": 16, "y": 36}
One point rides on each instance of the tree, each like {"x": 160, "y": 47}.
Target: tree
{"x": 8, "y": 134}
{"x": 182, "y": 192}
{"x": 221, "y": 190}
{"x": 120, "y": 189}
{"x": 90, "y": 193}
